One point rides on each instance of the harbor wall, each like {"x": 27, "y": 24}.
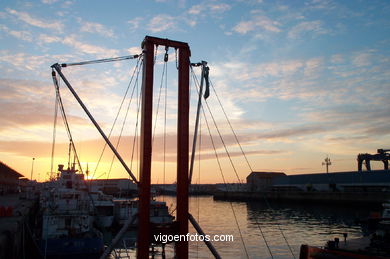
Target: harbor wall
{"x": 16, "y": 219}
{"x": 343, "y": 198}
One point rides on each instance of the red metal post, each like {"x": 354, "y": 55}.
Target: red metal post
{"x": 182, "y": 150}
{"x": 144, "y": 232}
{"x": 146, "y": 151}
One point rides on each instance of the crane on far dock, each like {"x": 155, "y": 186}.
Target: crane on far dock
{"x": 382, "y": 155}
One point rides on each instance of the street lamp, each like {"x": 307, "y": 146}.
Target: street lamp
{"x": 32, "y": 168}
{"x": 327, "y": 163}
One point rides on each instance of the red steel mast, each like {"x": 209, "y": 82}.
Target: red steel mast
{"x": 144, "y": 229}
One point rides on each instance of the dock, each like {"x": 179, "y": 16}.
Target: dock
{"x": 17, "y": 215}
{"x": 319, "y": 197}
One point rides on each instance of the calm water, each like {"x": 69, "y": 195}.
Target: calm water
{"x": 299, "y": 224}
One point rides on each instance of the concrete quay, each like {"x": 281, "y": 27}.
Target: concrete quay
{"x": 319, "y": 197}
{"x": 16, "y": 217}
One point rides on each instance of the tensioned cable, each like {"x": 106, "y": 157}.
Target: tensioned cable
{"x": 236, "y": 138}
{"x": 224, "y": 181}
{"x": 65, "y": 120}
{"x": 136, "y": 68}
{"x": 247, "y": 161}
{"x": 231, "y": 127}
{"x": 54, "y": 135}
{"x": 220, "y": 135}
{"x": 165, "y": 123}
{"x": 135, "y": 142}
{"x": 199, "y": 159}
{"x": 280, "y": 229}
{"x": 123, "y": 124}
{"x": 220, "y": 167}
{"x": 262, "y": 234}
{"x": 158, "y": 100}
{"x": 104, "y": 60}
{"x": 163, "y": 82}
{"x": 258, "y": 225}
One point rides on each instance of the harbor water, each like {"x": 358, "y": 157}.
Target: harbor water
{"x": 279, "y": 224}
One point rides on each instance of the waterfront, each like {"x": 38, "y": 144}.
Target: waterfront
{"x": 312, "y": 225}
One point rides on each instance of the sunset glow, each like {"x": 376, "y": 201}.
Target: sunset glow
{"x": 299, "y": 80}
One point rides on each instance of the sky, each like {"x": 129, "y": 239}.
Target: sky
{"x": 299, "y": 81}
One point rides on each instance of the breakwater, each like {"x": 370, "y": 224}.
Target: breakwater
{"x": 369, "y": 198}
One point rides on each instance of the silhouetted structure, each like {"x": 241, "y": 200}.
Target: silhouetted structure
{"x": 9, "y": 179}
{"x": 382, "y": 155}
{"x": 257, "y": 181}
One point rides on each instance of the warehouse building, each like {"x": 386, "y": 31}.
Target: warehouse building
{"x": 9, "y": 179}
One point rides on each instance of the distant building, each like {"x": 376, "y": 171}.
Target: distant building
{"x": 116, "y": 187}
{"x": 372, "y": 181}
{"x": 261, "y": 181}
{"x": 9, "y": 179}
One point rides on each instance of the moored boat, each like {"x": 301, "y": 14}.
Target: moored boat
{"x": 125, "y": 209}
{"x": 68, "y": 218}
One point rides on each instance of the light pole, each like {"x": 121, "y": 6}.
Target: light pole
{"x": 327, "y": 163}
{"x": 32, "y": 168}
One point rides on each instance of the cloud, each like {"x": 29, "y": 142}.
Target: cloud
{"x": 49, "y": 1}
{"x": 162, "y": 22}
{"x": 27, "y": 18}
{"x": 23, "y": 60}
{"x": 314, "y": 27}
{"x": 313, "y": 66}
{"x": 27, "y": 103}
{"x": 204, "y": 11}
{"x": 44, "y": 38}
{"x": 209, "y": 8}
{"x": 86, "y": 48}
{"x": 337, "y": 58}
{"x": 362, "y": 59}
{"x": 255, "y": 23}
{"x": 96, "y": 28}
{"x": 135, "y": 23}
{"x": 22, "y": 35}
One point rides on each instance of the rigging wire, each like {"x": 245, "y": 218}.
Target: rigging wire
{"x": 220, "y": 135}
{"x": 199, "y": 160}
{"x": 136, "y": 68}
{"x": 231, "y": 127}
{"x": 135, "y": 142}
{"x": 220, "y": 168}
{"x": 280, "y": 229}
{"x": 158, "y": 100}
{"x": 262, "y": 234}
{"x": 54, "y": 135}
{"x": 250, "y": 167}
{"x": 65, "y": 120}
{"x": 163, "y": 82}
{"x": 105, "y": 60}
{"x": 71, "y": 144}
{"x": 165, "y": 124}
{"x": 123, "y": 123}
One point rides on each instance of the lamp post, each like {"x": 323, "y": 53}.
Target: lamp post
{"x": 32, "y": 167}
{"x": 327, "y": 163}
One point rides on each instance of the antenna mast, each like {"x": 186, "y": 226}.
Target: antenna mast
{"x": 327, "y": 163}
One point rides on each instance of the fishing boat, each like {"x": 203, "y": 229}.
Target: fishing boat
{"x": 374, "y": 246}
{"x": 128, "y": 209}
{"x": 104, "y": 209}
{"x": 68, "y": 219}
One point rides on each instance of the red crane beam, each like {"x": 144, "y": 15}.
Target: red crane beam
{"x": 144, "y": 230}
